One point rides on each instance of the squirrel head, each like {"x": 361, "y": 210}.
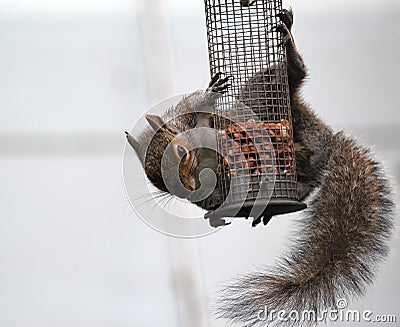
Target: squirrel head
{"x": 178, "y": 156}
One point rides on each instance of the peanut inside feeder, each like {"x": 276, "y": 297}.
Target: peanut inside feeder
{"x": 255, "y": 145}
{"x": 246, "y": 141}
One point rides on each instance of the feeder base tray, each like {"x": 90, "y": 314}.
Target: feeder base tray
{"x": 275, "y": 207}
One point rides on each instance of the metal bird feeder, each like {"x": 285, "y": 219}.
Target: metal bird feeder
{"x": 243, "y": 44}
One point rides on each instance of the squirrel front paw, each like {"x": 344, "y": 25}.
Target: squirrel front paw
{"x": 218, "y": 84}
{"x": 216, "y": 88}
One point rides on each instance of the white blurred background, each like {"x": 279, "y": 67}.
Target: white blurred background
{"x": 74, "y": 74}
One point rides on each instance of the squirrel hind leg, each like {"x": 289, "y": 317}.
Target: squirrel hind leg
{"x": 297, "y": 69}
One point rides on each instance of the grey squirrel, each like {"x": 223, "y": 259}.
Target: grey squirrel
{"x": 344, "y": 234}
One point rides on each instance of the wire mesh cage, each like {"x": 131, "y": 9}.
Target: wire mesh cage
{"x": 256, "y": 144}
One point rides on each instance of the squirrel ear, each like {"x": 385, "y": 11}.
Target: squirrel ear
{"x": 131, "y": 140}
{"x": 157, "y": 123}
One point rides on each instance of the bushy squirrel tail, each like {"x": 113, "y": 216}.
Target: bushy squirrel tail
{"x": 341, "y": 240}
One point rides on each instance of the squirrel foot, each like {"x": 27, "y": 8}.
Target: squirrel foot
{"x": 246, "y": 3}
{"x": 296, "y": 67}
{"x": 286, "y": 16}
{"x": 218, "y": 84}
{"x": 216, "y": 88}
{"x": 286, "y": 35}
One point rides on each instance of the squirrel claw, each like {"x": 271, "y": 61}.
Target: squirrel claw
{"x": 286, "y": 17}
{"x": 221, "y": 89}
{"x": 214, "y": 79}
{"x": 282, "y": 28}
{"x": 218, "y": 84}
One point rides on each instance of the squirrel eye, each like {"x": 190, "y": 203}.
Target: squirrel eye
{"x": 182, "y": 152}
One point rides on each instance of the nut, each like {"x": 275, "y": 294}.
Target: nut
{"x": 248, "y": 147}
